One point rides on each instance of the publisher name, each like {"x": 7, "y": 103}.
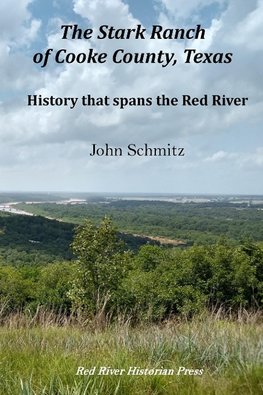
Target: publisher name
{"x": 137, "y": 371}
{"x": 135, "y": 150}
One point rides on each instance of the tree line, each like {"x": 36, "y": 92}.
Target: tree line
{"x": 153, "y": 283}
{"x": 194, "y": 223}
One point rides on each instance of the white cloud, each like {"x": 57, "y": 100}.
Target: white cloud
{"x": 217, "y": 157}
{"x": 96, "y": 10}
{"x": 36, "y": 130}
{"x": 186, "y": 9}
{"x": 17, "y": 24}
{"x": 241, "y": 159}
{"x": 251, "y": 160}
{"x": 249, "y": 30}
{"x": 18, "y": 30}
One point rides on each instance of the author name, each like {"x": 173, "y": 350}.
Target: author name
{"x": 135, "y": 150}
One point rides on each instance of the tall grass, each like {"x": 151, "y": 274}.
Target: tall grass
{"x": 40, "y": 354}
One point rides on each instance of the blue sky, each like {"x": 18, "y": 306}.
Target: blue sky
{"x": 143, "y": 10}
{"x": 45, "y": 149}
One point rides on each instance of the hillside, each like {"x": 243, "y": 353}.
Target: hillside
{"x": 38, "y": 240}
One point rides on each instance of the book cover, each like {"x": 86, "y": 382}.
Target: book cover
{"x": 131, "y": 200}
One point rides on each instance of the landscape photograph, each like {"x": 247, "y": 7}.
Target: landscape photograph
{"x": 156, "y": 294}
{"x": 131, "y": 197}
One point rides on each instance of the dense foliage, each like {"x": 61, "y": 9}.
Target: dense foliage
{"x": 102, "y": 264}
{"x": 35, "y": 240}
{"x": 192, "y": 222}
{"x": 154, "y": 283}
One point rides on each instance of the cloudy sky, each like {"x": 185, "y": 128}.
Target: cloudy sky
{"x": 47, "y": 149}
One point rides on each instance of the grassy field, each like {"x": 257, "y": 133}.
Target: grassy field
{"x": 41, "y": 356}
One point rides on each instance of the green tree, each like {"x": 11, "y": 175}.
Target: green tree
{"x": 53, "y": 285}
{"x": 15, "y": 289}
{"x": 102, "y": 263}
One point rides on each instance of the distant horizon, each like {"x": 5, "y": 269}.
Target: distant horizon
{"x": 45, "y": 192}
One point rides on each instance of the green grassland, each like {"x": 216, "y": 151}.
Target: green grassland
{"x": 43, "y": 358}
